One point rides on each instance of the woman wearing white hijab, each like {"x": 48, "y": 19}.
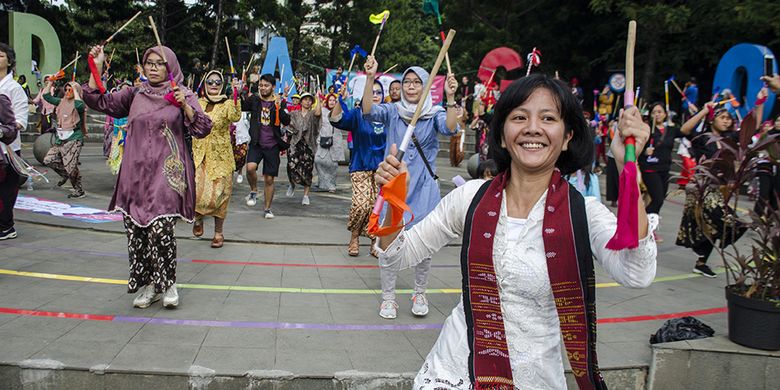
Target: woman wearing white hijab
{"x": 423, "y": 194}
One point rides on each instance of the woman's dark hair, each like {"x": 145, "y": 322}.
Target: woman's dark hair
{"x": 269, "y": 78}
{"x": 586, "y": 171}
{"x": 580, "y": 150}
{"x": 663, "y": 107}
{"x": 10, "y": 53}
{"x": 488, "y": 165}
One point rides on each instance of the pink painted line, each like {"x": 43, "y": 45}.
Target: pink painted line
{"x": 38, "y": 313}
{"x": 311, "y": 326}
{"x": 666, "y": 316}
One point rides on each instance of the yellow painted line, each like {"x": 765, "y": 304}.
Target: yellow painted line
{"x": 294, "y": 290}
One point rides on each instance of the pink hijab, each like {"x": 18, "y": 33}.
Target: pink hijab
{"x": 173, "y": 63}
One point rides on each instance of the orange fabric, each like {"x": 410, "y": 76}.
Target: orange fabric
{"x": 394, "y": 193}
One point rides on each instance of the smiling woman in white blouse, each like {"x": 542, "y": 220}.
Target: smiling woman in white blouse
{"x": 529, "y": 239}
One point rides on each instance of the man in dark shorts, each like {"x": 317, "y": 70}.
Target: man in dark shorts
{"x": 267, "y": 115}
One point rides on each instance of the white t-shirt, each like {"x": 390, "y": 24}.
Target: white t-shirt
{"x": 9, "y": 87}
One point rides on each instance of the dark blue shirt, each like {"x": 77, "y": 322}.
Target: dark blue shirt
{"x": 368, "y": 139}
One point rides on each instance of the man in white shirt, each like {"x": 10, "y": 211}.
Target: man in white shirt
{"x": 9, "y": 186}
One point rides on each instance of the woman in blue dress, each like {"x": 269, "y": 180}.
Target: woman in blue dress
{"x": 423, "y": 194}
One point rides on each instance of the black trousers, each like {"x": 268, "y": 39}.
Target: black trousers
{"x": 613, "y": 180}
{"x": 657, "y": 184}
{"x": 768, "y": 190}
{"x": 9, "y": 190}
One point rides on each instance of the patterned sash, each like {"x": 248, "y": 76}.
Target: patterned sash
{"x": 570, "y": 268}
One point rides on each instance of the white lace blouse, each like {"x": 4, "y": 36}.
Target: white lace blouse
{"x": 530, "y": 317}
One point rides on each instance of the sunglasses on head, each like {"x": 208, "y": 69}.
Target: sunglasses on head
{"x": 214, "y": 82}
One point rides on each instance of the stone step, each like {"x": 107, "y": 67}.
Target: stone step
{"x": 50, "y": 374}
{"x": 712, "y": 363}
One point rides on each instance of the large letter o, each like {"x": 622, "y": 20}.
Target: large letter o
{"x": 502, "y": 56}
{"x": 744, "y": 62}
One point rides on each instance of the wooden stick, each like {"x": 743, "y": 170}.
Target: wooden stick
{"x": 72, "y": 62}
{"x": 137, "y": 57}
{"x": 110, "y": 61}
{"x": 410, "y": 128}
{"x": 111, "y": 57}
{"x": 426, "y": 90}
{"x": 487, "y": 86}
{"x": 617, "y": 104}
{"x": 200, "y": 84}
{"x": 230, "y": 57}
{"x": 376, "y": 41}
{"x": 679, "y": 90}
{"x": 120, "y": 29}
{"x": 251, "y": 59}
{"x": 349, "y": 70}
{"x": 630, "y": 44}
{"x": 432, "y": 75}
{"x": 162, "y": 52}
{"x": 74, "y": 67}
{"x": 389, "y": 69}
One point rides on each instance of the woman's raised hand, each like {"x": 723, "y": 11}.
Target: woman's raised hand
{"x": 389, "y": 168}
{"x": 630, "y": 125}
{"x": 451, "y": 86}
{"x": 370, "y": 66}
{"x": 178, "y": 94}
{"x": 97, "y": 53}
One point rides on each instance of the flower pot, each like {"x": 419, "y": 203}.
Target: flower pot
{"x": 753, "y": 323}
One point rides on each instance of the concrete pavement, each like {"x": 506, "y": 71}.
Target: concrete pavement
{"x": 281, "y": 303}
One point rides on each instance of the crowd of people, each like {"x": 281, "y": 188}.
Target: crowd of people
{"x": 531, "y": 223}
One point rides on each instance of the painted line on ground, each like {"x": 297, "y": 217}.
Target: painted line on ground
{"x": 310, "y": 326}
{"x": 298, "y": 290}
{"x": 666, "y": 316}
{"x": 207, "y": 261}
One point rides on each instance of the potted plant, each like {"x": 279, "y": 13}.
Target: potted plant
{"x": 753, "y": 275}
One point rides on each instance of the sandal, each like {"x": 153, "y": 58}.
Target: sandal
{"x": 218, "y": 241}
{"x": 197, "y": 228}
{"x": 354, "y": 247}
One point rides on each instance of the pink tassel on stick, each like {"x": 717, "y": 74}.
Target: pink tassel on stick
{"x": 627, "y": 232}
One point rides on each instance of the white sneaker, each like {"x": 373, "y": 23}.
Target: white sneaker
{"x": 146, "y": 297}
{"x": 240, "y": 178}
{"x": 171, "y": 298}
{"x": 419, "y": 305}
{"x": 388, "y": 309}
{"x": 251, "y": 199}
{"x": 269, "y": 214}
{"x": 290, "y": 191}
{"x": 305, "y": 200}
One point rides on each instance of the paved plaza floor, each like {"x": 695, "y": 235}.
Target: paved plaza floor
{"x": 281, "y": 295}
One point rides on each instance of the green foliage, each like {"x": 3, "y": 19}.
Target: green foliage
{"x": 577, "y": 39}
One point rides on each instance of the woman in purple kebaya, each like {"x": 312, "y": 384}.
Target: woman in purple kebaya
{"x": 156, "y": 182}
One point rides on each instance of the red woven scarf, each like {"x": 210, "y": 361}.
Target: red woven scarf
{"x": 570, "y": 268}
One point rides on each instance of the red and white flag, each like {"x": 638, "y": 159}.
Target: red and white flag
{"x": 534, "y": 59}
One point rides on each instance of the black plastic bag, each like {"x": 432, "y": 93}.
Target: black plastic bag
{"x": 678, "y": 329}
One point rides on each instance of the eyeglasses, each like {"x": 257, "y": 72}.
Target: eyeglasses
{"x": 214, "y": 82}
{"x": 154, "y": 65}
{"x": 377, "y": 93}
{"x": 416, "y": 83}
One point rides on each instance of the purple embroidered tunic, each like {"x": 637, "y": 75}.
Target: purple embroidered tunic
{"x": 157, "y": 176}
